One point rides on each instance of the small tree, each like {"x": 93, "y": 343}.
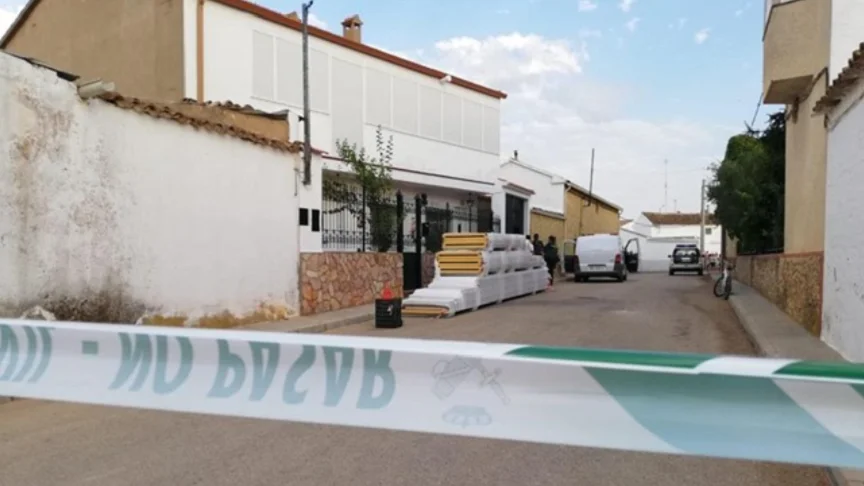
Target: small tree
{"x": 748, "y": 188}
{"x": 372, "y": 177}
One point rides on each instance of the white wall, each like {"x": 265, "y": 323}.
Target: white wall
{"x": 653, "y": 252}
{"x": 548, "y": 194}
{"x": 843, "y": 285}
{"x": 437, "y": 128}
{"x": 309, "y": 198}
{"x": 641, "y": 225}
{"x": 101, "y": 200}
{"x": 847, "y": 25}
{"x": 713, "y": 234}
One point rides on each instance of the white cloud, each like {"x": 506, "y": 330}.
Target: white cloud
{"x": 7, "y": 16}
{"x": 702, "y": 35}
{"x": 502, "y": 11}
{"x": 588, "y": 33}
{"x": 555, "y": 114}
{"x": 315, "y": 21}
{"x": 739, "y": 12}
{"x": 626, "y": 5}
{"x": 587, "y": 5}
{"x": 632, "y": 23}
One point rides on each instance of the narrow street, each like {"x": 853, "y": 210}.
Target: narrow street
{"x": 48, "y": 443}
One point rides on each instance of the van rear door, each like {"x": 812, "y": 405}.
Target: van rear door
{"x": 597, "y": 253}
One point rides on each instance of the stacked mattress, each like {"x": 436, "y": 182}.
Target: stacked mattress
{"x": 475, "y": 269}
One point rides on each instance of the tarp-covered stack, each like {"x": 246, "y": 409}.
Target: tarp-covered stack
{"x": 476, "y": 269}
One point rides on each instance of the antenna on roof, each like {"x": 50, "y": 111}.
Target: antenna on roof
{"x": 515, "y": 155}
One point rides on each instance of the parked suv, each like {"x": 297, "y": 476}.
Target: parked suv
{"x": 686, "y": 258}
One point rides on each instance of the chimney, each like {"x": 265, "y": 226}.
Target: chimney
{"x": 352, "y": 28}
{"x": 293, "y": 16}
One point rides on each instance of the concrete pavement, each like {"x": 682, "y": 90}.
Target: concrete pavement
{"x": 775, "y": 334}
{"x": 46, "y": 443}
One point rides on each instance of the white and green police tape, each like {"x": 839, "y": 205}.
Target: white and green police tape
{"x": 732, "y": 407}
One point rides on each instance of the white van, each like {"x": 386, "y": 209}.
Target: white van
{"x": 600, "y": 256}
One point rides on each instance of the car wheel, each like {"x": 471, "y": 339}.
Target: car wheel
{"x": 671, "y": 272}
{"x": 625, "y": 277}
{"x": 700, "y": 273}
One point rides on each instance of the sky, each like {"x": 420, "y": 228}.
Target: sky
{"x": 639, "y": 81}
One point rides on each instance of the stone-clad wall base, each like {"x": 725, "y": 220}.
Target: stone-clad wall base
{"x": 331, "y": 281}
{"x": 793, "y": 282}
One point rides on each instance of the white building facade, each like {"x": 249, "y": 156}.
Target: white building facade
{"x": 843, "y": 276}
{"x": 548, "y": 188}
{"x": 658, "y": 233}
{"x": 445, "y": 130}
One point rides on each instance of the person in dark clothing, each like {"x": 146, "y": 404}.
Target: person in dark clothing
{"x": 550, "y": 254}
{"x": 538, "y": 245}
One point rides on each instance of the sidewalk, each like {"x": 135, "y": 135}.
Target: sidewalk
{"x": 323, "y": 322}
{"x": 775, "y": 334}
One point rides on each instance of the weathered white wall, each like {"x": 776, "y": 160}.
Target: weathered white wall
{"x": 437, "y": 128}
{"x": 843, "y": 275}
{"x": 847, "y": 25}
{"x": 103, "y": 203}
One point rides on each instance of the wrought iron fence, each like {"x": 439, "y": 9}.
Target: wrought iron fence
{"x": 356, "y": 223}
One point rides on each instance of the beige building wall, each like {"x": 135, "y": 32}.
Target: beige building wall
{"x": 546, "y": 225}
{"x": 796, "y": 53}
{"x": 138, "y": 45}
{"x": 796, "y": 47}
{"x": 806, "y": 154}
{"x": 596, "y": 218}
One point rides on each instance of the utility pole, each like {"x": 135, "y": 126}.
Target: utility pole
{"x": 702, "y": 213}
{"x": 307, "y": 120}
{"x": 590, "y": 194}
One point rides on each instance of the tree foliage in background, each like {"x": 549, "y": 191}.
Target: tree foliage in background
{"x": 748, "y": 187}
{"x": 368, "y": 194}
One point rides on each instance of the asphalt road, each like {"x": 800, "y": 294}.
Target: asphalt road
{"x": 56, "y": 444}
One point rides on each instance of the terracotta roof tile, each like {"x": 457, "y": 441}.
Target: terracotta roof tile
{"x": 230, "y": 105}
{"x": 166, "y": 112}
{"x": 661, "y": 219}
{"x": 845, "y": 81}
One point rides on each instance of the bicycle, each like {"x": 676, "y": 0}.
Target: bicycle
{"x": 723, "y": 285}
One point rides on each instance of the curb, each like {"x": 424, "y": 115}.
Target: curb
{"x": 835, "y": 477}
{"x": 325, "y": 326}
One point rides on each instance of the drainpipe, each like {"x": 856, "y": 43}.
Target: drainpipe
{"x": 199, "y": 50}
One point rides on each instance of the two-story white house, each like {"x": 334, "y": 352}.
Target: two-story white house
{"x": 445, "y": 130}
